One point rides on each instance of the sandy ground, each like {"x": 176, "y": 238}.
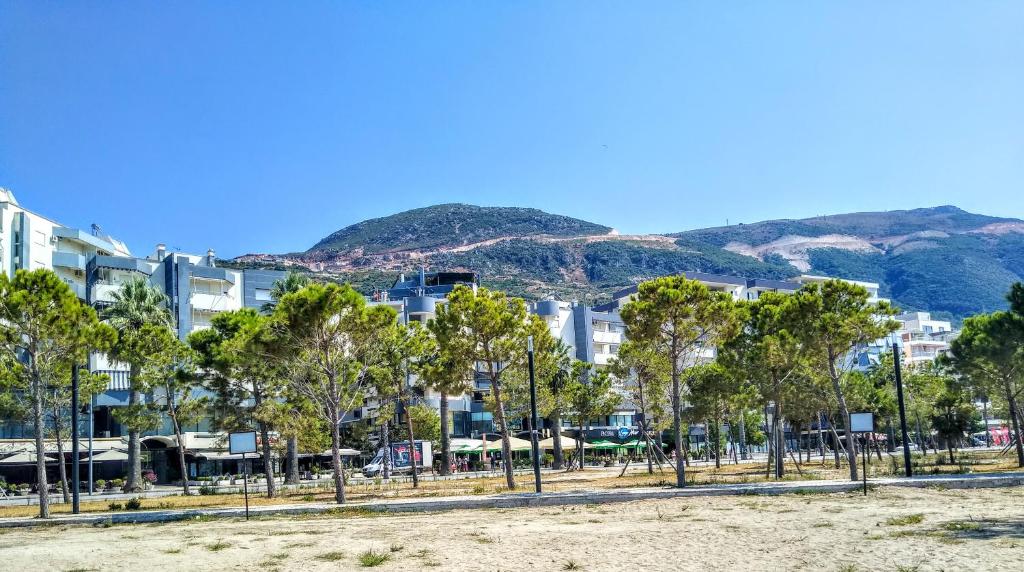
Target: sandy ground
{"x": 892, "y": 529}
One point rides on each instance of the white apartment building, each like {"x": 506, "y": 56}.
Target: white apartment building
{"x": 922, "y": 338}
{"x": 95, "y": 265}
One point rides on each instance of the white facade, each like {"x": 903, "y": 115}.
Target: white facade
{"x": 922, "y": 338}
{"x": 871, "y": 287}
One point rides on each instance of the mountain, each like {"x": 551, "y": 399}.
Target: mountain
{"x": 450, "y": 225}
{"x": 943, "y": 259}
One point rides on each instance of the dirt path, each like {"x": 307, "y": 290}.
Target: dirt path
{"x": 896, "y": 529}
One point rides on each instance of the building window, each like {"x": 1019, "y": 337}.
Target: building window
{"x": 262, "y": 295}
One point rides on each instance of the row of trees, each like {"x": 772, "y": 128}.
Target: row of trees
{"x": 696, "y": 355}
{"x": 302, "y": 364}
{"x": 297, "y": 368}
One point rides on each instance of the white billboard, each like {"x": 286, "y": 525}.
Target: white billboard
{"x": 244, "y": 442}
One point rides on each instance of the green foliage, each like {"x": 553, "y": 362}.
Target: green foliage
{"x": 620, "y": 262}
{"x": 483, "y": 326}
{"x": 372, "y": 558}
{"x": 644, "y": 372}
{"x": 449, "y": 225}
{"x": 426, "y": 422}
{"x": 327, "y": 340}
{"x": 945, "y": 269}
{"x": 589, "y": 394}
{"x": 44, "y": 329}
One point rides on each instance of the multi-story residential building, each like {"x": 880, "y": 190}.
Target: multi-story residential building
{"x": 415, "y": 298}
{"x": 594, "y": 336}
{"x": 922, "y": 338}
{"x": 95, "y": 265}
{"x": 31, "y": 241}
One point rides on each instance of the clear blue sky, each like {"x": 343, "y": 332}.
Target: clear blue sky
{"x": 255, "y": 127}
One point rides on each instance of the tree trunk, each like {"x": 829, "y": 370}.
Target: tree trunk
{"x": 677, "y": 421}
{"x": 647, "y": 449}
{"x": 292, "y": 476}
{"x": 743, "y": 435}
{"x": 949, "y": 447}
{"x": 339, "y": 481}
{"x": 1011, "y": 400}
{"x": 797, "y": 431}
{"x": 506, "y": 445}
{"x": 556, "y": 440}
{"x": 581, "y": 446}
{"x": 718, "y": 439}
{"x": 62, "y": 470}
{"x": 40, "y": 427}
{"x": 268, "y": 459}
{"x": 412, "y": 446}
{"x": 821, "y": 437}
{"x": 845, "y": 413}
{"x": 446, "y": 447}
{"x": 838, "y": 442}
{"x": 133, "y": 483}
{"x": 780, "y": 442}
{"x": 181, "y": 458}
{"x": 920, "y": 435}
{"x": 385, "y": 439}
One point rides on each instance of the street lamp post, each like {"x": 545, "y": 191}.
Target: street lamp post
{"x": 533, "y": 415}
{"x": 908, "y": 469}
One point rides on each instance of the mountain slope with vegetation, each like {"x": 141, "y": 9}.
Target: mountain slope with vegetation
{"x": 942, "y": 259}
{"x": 450, "y": 225}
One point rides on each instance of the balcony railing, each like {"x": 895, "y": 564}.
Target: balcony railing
{"x": 213, "y": 302}
{"x": 69, "y": 260}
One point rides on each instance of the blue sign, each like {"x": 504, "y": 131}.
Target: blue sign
{"x": 624, "y": 432}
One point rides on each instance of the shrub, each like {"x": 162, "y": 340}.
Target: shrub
{"x": 117, "y": 483}
{"x": 115, "y": 506}
{"x": 372, "y": 558}
{"x": 133, "y": 503}
{"x": 206, "y": 490}
{"x": 101, "y": 484}
{"x": 331, "y": 556}
{"x": 905, "y": 520}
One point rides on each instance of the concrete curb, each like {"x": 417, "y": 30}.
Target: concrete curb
{"x": 519, "y": 500}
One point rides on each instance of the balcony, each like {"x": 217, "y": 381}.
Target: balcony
{"x": 68, "y": 260}
{"x": 213, "y": 302}
{"x": 607, "y": 337}
{"x": 103, "y": 292}
{"x": 77, "y": 288}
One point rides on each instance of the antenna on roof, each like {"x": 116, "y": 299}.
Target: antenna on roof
{"x": 96, "y": 230}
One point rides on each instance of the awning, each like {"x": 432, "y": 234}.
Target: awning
{"x": 111, "y": 455}
{"x": 604, "y": 445}
{"x": 23, "y": 445}
{"x": 515, "y": 443}
{"x": 24, "y": 458}
{"x": 568, "y": 444}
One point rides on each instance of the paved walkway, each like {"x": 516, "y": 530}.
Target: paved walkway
{"x": 511, "y": 500}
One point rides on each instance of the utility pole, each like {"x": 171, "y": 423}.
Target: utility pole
{"x": 75, "y": 465}
{"x": 896, "y": 359}
{"x": 534, "y": 429}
